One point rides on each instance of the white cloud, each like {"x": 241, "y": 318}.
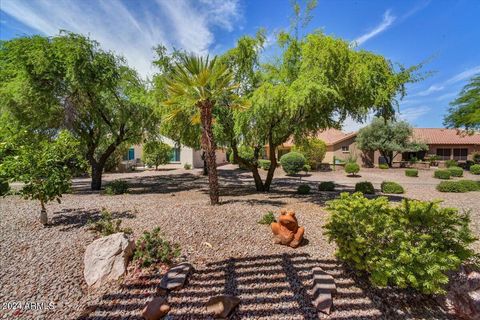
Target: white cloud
{"x": 430, "y": 90}
{"x": 131, "y": 32}
{"x": 387, "y": 21}
{"x": 465, "y": 75}
{"x": 445, "y": 96}
{"x": 413, "y": 113}
{"x": 350, "y": 125}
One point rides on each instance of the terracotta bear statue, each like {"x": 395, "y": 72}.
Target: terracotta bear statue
{"x": 286, "y": 231}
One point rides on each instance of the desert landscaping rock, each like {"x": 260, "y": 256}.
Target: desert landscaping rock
{"x": 222, "y": 306}
{"x": 322, "y": 290}
{"x": 176, "y": 277}
{"x": 156, "y": 309}
{"x": 106, "y": 258}
{"x": 46, "y": 264}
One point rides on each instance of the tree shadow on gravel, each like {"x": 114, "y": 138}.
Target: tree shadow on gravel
{"x": 276, "y": 286}
{"x": 68, "y": 219}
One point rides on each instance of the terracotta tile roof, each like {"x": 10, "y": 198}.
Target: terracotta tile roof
{"x": 329, "y": 136}
{"x": 444, "y": 136}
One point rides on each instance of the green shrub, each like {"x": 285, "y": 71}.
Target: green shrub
{"x": 475, "y": 169}
{"x": 106, "y": 225}
{"x": 391, "y": 187}
{"x": 411, "y": 172}
{"x": 451, "y": 163}
{"x": 383, "y": 166}
{"x": 442, "y": 174}
{"x": 476, "y": 157}
{"x": 303, "y": 189}
{"x": 413, "y": 244}
{"x": 117, "y": 187}
{"x": 313, "y": 149}
{"x": 264, "y": 164}
{"x": 326, "y": 186}
{"x": 292, "y": 162}
{"x": 268, "y": 218}
{"x": 152, "y": 248}
{"x": 455, "y": 171}
{"x": 352, "y": 168}
{"x": 4, "y": 187}
{"x": 365, "y": 187}
{"x": 458, "y": 186}
{"x": 187, "y": 166}
{"x": 307, "y": 168}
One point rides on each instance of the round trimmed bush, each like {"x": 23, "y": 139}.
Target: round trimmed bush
{"x": 365, "y": 187}
{"x": 303, "y": 189}
{"x": 117, "y": 187}
{"x": 451, "y": 186}
{"x": 326, "y": 186}
{"x": 293, "y": 162}
{"x": 475, "y": 169}
{"x": 383, "y": 166}
{"x": 455, "y": 171}
{"x": 411, "y": 172}
{"x": 307, "y": 168}
{"x": 442, "y": 174}
{"x": 391, "y": 187}
{"x": 470, "y": 185}
{"x": 264, "y": 164}
{"x": 352, "y": 168}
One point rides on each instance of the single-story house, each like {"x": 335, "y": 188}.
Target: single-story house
{"x": 445, "y": 143}
{"x": 181, "y": 155}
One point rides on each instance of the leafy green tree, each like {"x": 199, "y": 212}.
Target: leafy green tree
{"x": 465, "y": 109}
{"x": 44, "y": 167}
{"x": 68, "y": 81}
{"x": 156, "y": 153}
{"x": 389, "y": 137}
{"x": 313, "y": 149}
{"x": 194, "y": 86}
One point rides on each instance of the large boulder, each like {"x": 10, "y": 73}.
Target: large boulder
{"x": 156, "y": 309}
{"x": 322, "y": 290}
{"x": 107, "y": 258}
{"x": 463, "y": 294}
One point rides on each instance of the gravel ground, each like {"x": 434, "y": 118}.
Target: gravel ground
{"x": 232, "y": 254}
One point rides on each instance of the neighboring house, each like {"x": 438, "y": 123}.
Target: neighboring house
{"x": 445, "y": 143}
{"x": 181, "y": 155}
{"x": 340, "y": 146}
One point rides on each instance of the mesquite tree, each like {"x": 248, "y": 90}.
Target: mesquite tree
{"x": 68, "y": 81}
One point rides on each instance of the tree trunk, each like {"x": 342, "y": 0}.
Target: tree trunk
{"x": 205, "y": 168}
{"x": 273, "y": 165}
{"x": 209, "y": 146}
{"x": 97, "y": 170}
{"x": 43, "y": 214}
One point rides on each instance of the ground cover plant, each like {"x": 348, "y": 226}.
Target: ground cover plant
{"x": 106, "y": 225}
{"x": 413, "y": 244}
{"x": 152, "y": 247}
{"x": 365, "y": 187}
{"x": 391, "y": 187}
{"x": 458, "y": 186}
{"x": 451, "y": 163}
{"x": 455, "y": 171}
{"x": 442, "y": 174}
{"x": 411, "y": 172}
{"x": 267, "y": 218}
{"x": 264, "y": 164}
{"x": 117, "y": 187}
{"x": 293, "y": 162}
{"x": 326, "y": 186}
{"x": 383, "y": 166}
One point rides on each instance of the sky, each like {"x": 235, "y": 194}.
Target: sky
{"x": 442, "y": 34}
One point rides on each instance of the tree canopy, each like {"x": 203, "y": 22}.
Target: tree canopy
{"x": 389, "y": 137}
{"x": 465, "y": 109}
{"x": 68, "y": 81}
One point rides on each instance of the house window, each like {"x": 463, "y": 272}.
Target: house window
{"x": 344, "y": 148}
{"x": 460, "y": 154}
{"x": 444, "y": 154}
{"x": 131, "y": 154}
{"x": 175, "y": 154}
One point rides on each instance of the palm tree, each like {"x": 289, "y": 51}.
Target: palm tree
{"x": 196, "y": 83}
